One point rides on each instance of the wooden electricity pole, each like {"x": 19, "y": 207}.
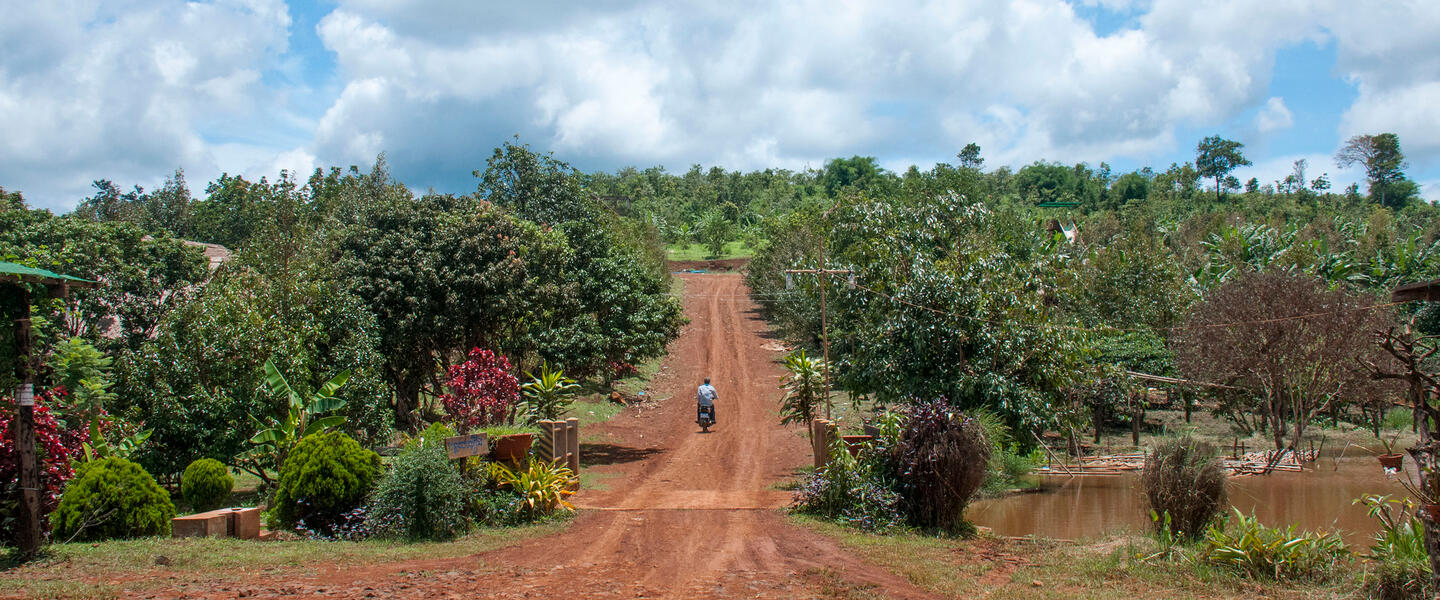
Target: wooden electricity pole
{"x": 824, "y": 317}
{"x": 28, "y": 519}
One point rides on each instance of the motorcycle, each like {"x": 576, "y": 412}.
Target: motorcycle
{"x": 705, "y": 418}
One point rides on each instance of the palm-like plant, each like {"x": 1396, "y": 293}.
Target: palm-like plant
{"x": 804, "y": 388}
{"x": 278, "y": 435}
{"x": 547, "y": 395}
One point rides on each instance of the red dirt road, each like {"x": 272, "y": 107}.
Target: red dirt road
{"x": 683, "y": 515}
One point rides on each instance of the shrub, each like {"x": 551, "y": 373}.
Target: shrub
{"x": 112, "y": 498}
{"x": 423, "y": 496}
{"x": 483, "y": 391}
{"x": 498, "y": 508}
{"x": 1261, "y": 552}
{"x": 325, "y": 476}
{"x": 206, "y": 484}
{"x": 940, "y": 460}
{"x": 1183, "y": 479}
{"x": 851, "y": 491}
{"x": 1402, "y": 563}
{"x": 56, "y": 447}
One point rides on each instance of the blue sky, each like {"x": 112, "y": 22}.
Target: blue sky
{"x": 132, "y": 91}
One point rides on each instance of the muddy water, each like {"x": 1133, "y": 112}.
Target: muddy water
{"x": 1085, "y": 507}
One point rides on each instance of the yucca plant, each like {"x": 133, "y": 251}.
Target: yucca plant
{"x": 547, "y": 395}
{"x": 543, "y": 486}
{"x": 804, "y": 388}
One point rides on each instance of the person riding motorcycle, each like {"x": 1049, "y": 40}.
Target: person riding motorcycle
{"x": 705, "y": 397}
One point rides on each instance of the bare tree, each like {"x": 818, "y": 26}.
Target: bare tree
{"x": 1414, "y": 363}
{"x": 1286, "y": 339}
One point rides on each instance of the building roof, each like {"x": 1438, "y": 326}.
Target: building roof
{"x": 1428, "y": 291}
{"x": 20, "y": 273}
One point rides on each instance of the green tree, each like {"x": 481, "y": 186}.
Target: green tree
{"x": 203, "y": 376}
{"x": 715, "y": 230}
{"x": 1216, "y": 157}
{"x": 1384, "y": 167}
{"x": 970, "y": 157}
{"x": 444, "y": 274}
{"x": 857, "y": 173}
{"x": 621, "y": 313}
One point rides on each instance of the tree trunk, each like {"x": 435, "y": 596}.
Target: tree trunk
{"x": 1136, "y": 415}
{"x": 407, "y": 396}
{"x": 1099, "y": 418}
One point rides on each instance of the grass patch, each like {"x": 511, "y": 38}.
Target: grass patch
{"x": 699, "y": 252}
{"x": 1109, "y": 568}
{"x": 83, "y": 570}
{"x": 591, "y": 412}
{"x": 592, "y": 480}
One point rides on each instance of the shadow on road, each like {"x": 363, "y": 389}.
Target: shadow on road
{"x": 611, "y": 454}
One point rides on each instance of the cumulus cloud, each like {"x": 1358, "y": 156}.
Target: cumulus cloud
{"x": 128, "y": 91}
{"x": 1273, "y": 116}
{"x": 133, "y": 91}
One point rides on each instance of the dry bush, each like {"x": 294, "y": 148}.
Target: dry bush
{"x": 941, "y": 461}
{"x": 1183, "y": 478}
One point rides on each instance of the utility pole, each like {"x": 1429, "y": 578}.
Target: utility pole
{"x": 824, "y": 317}
{"x": 28, "y": 517}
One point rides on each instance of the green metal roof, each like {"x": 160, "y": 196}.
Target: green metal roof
{"x": 34, "y": 275}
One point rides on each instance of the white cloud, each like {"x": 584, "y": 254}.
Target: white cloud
{"x": 130, "y": 92}
{"x": 1273, "y": 116}
{"x": 123, "y": 90}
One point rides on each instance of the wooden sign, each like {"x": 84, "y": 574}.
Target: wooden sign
{"x": 467, "y": 445}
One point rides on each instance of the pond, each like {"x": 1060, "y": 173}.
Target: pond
{"x": 1091, "y": 506}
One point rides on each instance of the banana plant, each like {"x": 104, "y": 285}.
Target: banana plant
{"x": 99, "y": 447}
{"x": 278, "y": 435}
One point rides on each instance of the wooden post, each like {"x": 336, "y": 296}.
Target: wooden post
{"x": 821, "y": 431}
{"x": 28, "y": 520}
{"x": 572, "y": 444}
{"x": 824, "y": 327}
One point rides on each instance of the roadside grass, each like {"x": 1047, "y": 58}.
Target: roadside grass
{"x": 123, "y": 567}
{"x": 735, "y": 249}
{"x": 1107, "y": 568}
{"x": 596, "y": 481}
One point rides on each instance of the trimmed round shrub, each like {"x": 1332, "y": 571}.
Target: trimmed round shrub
{"x": 325, "y": 476}
{"x": 1183, "y": 478}
{"x": 206, "y": 484}
{"x": 112, "y": 498}
{"x": 940, "y": 461}
{"x": 422, "y": 497}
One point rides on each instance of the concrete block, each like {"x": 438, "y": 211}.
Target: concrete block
{"x": 206, "y": 524}
{"x": 244, "y": 523}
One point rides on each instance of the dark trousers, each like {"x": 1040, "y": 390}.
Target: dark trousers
{"x": 699, "y": 408}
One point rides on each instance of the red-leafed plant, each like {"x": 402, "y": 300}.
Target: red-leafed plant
{"x": 483, "y": 391}
{"x": 56, "y": 446}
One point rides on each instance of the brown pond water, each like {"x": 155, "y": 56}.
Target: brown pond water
{"x": 1091, "y": 506}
